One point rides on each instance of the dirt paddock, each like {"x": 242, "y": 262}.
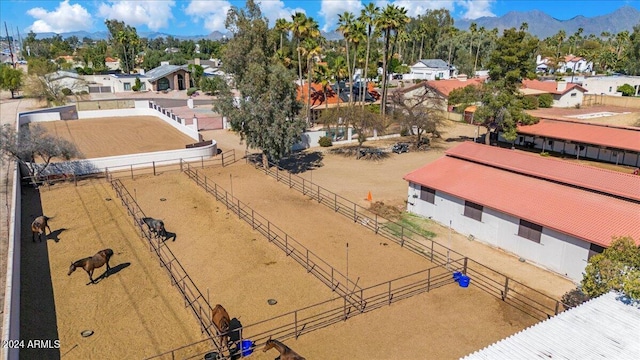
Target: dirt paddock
{"x": 111, "y": 136}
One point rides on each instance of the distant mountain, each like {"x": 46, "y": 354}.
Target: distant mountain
{"x": 540, "y": 25}
{"x": 543, "y": 25}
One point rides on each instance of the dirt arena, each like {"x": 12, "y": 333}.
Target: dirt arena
{"x": 134, "y": 313}
{"x": 118, "y": 136}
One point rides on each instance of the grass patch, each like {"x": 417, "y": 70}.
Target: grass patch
{"x": 411, "y": 222}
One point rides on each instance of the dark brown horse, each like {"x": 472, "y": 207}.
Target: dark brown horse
{"x": 39, "y": 226}
{"x": 156, "y": 227}
{"x": 285, "y": 352}
{"x": 220, "y": 319}
{"x": 93, "y": 262}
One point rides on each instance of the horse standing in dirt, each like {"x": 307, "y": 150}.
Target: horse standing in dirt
{"x": 221, "y": 320}
{"x": 38, "y": 226}
{"x": 285, "y": 352}
{"x": 156, "y": 226}
{"x": 93, "y": 262}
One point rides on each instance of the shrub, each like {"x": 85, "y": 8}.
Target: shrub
{"x": 626, "y": 90}
{"x": 137, "y": 85}
{"x": 325, "y": 141}
{"x": 67, "y": 91}
{"x": 544, "y": 154}
{"x": 404, "y": 131}
{"x": 573, "y": 298}
{"x": 191, "y": 91}
{"x": 530, "y": 102}
{"x": 545, "y": 100}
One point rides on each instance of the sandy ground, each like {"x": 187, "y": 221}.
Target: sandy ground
{"x": 242, "y": 270}
{"x": 119, "y": 136}
{"x": 135, "y": 312}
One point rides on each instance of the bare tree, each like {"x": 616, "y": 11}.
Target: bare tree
{"x": 50, "y": 89}
{"x": 31, "y": 142}
{"x": 359, "y": 118}
{"x": 422, "y": 112}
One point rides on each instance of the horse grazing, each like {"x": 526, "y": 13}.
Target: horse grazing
{"x": 155, "y": 226}
{"x": 38, "y": 226}
{"x": 93, "y": 262}
{"x": 220, "y": 319}
{"x": 285, "y": 352}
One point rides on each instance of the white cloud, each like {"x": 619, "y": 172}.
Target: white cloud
{"x": 330, "y": 9}
{"x": 213, "y": 13}
{"x": 420, "y": 7}
{"x": 476, "y": 8}
{"x": 275, "y": 9}
{"x": 154, "y": 14}
{"x": 64, "y": 18}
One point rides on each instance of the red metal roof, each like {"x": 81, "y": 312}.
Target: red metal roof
{"x": 549, "y": 86}
{"x": 587, "y": 215}
{"x": 586, "y": 133}
{"x": 606, "y": 181}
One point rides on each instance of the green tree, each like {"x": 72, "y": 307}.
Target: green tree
{"x": 197, "y": 72}
{"x": 11, "y": 79}
{"x": 545, "y": 100}
{"x": 266, "y": 112}
{"x": 346, "y": 22}
{"x": 367, "y": 17}
{"x": 40, "y": 66}
{"x": 211, "y": 85}
{"x": 125, "y": 40}
{"x": 617, "y": 268}
{"x": 391, "y": 20}
{"x": 626, "y": 90}
{"x": 632, "y": 56}
{"x": 463, "y": 97}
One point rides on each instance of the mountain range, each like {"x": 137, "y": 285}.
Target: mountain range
{"x": 539, "y": 24}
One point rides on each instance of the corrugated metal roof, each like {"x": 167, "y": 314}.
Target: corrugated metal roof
{"x": 585, "y": 133}
{"x": 591, "y": 216}
{"x": 606, "y": 181}
{"x": 435, "y": 63}
{"x": 162, "y": 71}
{"x": 607, "y": 327}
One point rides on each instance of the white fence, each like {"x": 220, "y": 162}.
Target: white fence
{"x": 11, "y": 320}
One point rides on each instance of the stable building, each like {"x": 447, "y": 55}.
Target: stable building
{"x": 550, "y": 212}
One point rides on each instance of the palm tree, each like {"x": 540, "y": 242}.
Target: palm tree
{"x": 391, "y": 20}
{"x": 339, "y": 71}
{"x": 368, "y": 17}
{"x": 473, "y": 29}
{"x": 358, "y": 35}
{"x": 561, "y": 35}
{"x": 345, "y": 26}
{"x": 282, "y": 26}
{"x": 299, "y": 29}
{"x": 481, "y": 34}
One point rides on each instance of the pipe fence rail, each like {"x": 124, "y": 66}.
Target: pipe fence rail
{"x": 523, "y": 297}
{"x": 301, "y": 321}
{"x": 314, "y": 265}
{"x": 192, "y": 296}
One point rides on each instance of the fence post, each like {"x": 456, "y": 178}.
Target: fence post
{"x": 401, "y": 236}
{"x": 202, "y": 161}
{"x": 290, "y": 186}
{"x": 253, "y": 224}
{"x": 295, "y": 321}
{"x": 222, "y": 159}
{"x": 303, "y": 192}
{"x": 335, "y": 202}
{"x": 277, "y": 175}
{"x": 376, "y": 223}
{"x": 154, "y": 168}
{"x": 355, "y": 217}
{"x": 269, "y": 230}
{"x": 131, "y": 172}
{"x": 308, "y": 261}
{"x": 506, "y": 288}
{"x": 75, "y": 179}
{"x": 181, "y": 170}
{"x": 428, "y": 279}
{"x": 319, "y": 199}
{"x": 389, "y": 292}
{"x": 239, "y": 214}
{"x": 557, "y": 306}
{"x": 344, "y": 308}
{"x": 465, "y": 264}
{"x": 432, "y": 251}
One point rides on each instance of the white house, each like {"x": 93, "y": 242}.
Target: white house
{"x": 576, "y": 64}
{"x": 69, "y": 80}
{"x": 564, "y": 94}
{"x": 432, "y": 69}
{"x": 596, "y": 329}
{"x": 548, "y": 211}
{"x": 608, "y": 85}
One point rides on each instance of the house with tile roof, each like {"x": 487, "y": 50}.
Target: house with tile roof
{"x": 547, "y": 211}
{"x": 564, "y": 94}
{"x": 440, "y": 87}
{"x": 609, "y": 143}
{"x": 431, "y": 69}
{"x": 333, "y": 96}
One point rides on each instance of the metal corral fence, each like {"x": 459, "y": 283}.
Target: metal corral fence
{"x": 323, "y": 314}
{"x": 315, "y": 265}
{"x": 137, "y": 169}
{"x": 192, "y": 296}
{"x": 525, "y": 298}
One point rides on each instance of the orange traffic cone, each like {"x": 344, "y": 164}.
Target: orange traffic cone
{"x": 369, "y": 198}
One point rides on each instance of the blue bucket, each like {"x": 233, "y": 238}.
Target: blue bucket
{"x": 246, "y": 347}
{"x": 464, "y": 281}
{"x": 457, "y": 275}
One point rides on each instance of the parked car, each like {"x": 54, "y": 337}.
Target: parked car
{"x": 400, "y": 148}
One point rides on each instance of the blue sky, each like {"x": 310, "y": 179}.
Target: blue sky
{"x": 198, "y": 17}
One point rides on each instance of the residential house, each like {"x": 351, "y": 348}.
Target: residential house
{"x": 441, "y": 87}
{"x": 564, "y": 94}
{"x": 593, "y": 330}
{"x": 168, "y": 77}
{"x": 112, "y": 63}
{"x": 575, "y": 64}
{"x": 336, "y": 95}
{"x": 68, "y": 80}
{"x": 608, "y": 85}
{"x": 431, "y": 69}
{"x": 608, "y": 143}
{"x": 551, "y": 212}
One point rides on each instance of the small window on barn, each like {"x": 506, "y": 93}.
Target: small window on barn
{"x": 574, "y": 94}
{"x": 127, "y": 86}
{"x": 473, "y": 210}
{"x": 529, "y": 230}
{"x": 428, "y": 194}
{"x": 595, "y": 250}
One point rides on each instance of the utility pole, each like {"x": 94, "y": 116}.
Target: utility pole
{"x": 13, "y": 63}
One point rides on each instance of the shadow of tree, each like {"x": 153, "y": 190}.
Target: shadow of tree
{"x": 302, "y": 161}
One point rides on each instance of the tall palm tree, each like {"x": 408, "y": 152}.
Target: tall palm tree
{"x": 358, "y": 35}
{"x": 368, "y": 16}
{"x": 282, "y": 26}
{"x": 339, "y": 72}
{"x": 561, "y": 36}
{"x": 481, "y": 35}
{"x": 299, "y": 25}
{"x": 389, "y": 22}
{"x": 345, "y": 26}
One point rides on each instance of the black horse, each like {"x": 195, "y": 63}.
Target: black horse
{"x": 156, "y": 227}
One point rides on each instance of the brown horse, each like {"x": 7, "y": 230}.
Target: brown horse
{"x": 285, "y": 352}
{"x": 220, "y": 319}
{"x": 39, "y": 226}
{"x": 93, "y": 262}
